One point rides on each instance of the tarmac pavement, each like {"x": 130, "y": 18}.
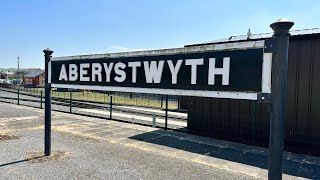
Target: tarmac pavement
{"x": 93, "y": 148}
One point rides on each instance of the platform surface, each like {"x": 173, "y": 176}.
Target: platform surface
{"x": 93, "y": 148}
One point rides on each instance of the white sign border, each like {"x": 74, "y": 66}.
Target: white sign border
{"x": 266, "y": 71}
{"x": 172, "y": 51}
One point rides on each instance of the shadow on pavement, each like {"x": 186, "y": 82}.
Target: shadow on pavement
{"x": 20, "y": 161}
{"x": 180, "y": 141}
{"x": 12, "y": 163}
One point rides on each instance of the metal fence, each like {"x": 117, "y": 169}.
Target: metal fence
{"x": 135, "y": 99}
{"x": 145, "y": 109}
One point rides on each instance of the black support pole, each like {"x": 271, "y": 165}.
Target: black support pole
{"x": 18, "y": 97}
{"x": 110, "y": 107}
{"x": 47, "y": 105}
{"x": 166, "y": 117}
{"x": 161, "y": 100}
{"x": 41, "y": 106}
{"x": 279, "y": 87}
{"x": 70, "y": 102}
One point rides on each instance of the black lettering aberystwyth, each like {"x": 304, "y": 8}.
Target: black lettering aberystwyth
{"x": 237, "y": 70}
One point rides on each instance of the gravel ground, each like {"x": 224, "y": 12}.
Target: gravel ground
{"x": 93, "y": 148}
{"x": 90, "y": 158}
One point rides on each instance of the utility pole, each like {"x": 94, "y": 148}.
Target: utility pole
{"x": 18, "y": 70}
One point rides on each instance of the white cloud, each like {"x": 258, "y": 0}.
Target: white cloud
{"x": 121, "y": 49}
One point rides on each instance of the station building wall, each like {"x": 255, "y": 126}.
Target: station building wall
{"x": 247, "y": 121}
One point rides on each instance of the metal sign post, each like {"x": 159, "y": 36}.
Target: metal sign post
{"x": 47, "y": 105}
{"x": 235, "y": 70}
{"x": 278, "y": 96}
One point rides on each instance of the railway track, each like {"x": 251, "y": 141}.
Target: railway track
{"x": 124, "y": 108}
{"x": 120, "y": 108}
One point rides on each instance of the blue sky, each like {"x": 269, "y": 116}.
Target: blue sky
{"x": 73, "y": 27}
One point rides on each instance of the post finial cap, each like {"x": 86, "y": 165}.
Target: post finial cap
{"x": 282, "y": 23}
{"x": 47, "y": 51}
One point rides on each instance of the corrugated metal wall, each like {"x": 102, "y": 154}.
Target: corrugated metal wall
{"x": 248, "y": 122}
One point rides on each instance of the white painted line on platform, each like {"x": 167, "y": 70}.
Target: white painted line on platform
{"x": 128, "y": 116}
{"x": 26, "y": 118}
{"x": 184, "y": 115}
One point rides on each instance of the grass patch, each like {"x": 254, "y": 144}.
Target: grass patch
{"x": 38, "y": 157}
{"x": 5, "y": 137}
{"x": 139, "y": 100}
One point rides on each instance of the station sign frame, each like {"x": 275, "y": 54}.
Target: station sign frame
{"x": 275, "y": 57}
{"x": 249, "y": 55}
